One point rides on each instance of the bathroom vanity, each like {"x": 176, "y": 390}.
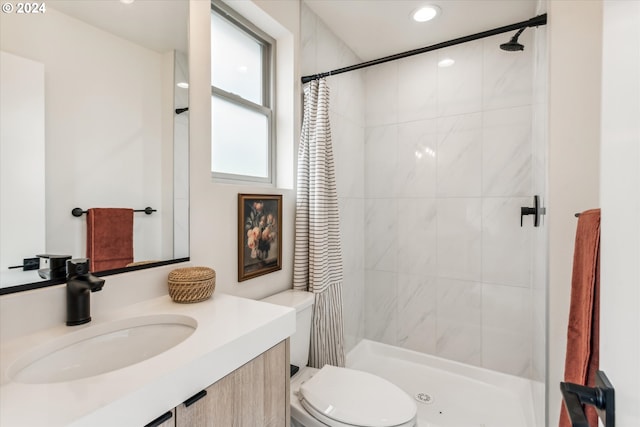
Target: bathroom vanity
{"x": 252, "y": 395}
{"x": 228, "y": 360}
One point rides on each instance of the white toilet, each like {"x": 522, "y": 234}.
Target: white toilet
{"x": 338, "y": 397}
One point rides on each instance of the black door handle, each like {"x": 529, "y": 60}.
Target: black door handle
{"x": 193, "y": 399}
{"x": 161, "y": 419}
{"x": 537, "y": 211}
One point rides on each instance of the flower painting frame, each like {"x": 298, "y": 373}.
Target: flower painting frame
{"x": 259, "y": 235}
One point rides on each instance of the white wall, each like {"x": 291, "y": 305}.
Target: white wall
{"x": 22, "y": 151}
{"x": 103, "y": 118}
{"x": 322, "y": 51}
{"x": 620, "y": 195}
{"x": 213, "y": 206}
{"x": 575, "y": 41}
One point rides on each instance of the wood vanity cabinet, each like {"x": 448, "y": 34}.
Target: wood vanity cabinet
{"x": 254, "y": 395}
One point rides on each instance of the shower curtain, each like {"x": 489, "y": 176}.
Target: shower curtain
{"x": 317, "y": 254}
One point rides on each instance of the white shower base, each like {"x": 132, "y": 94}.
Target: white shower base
{"x": 460, "y": 395}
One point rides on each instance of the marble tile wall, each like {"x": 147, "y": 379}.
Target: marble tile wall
{"x": 448, "y": 164}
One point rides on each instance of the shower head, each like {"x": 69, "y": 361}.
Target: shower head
{"x": 513, "y": 45}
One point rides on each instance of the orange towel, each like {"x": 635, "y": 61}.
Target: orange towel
{"x": 109, "y": 238}
{"x": 583, "y": 340}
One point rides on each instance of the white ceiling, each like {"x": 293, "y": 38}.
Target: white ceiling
{"x": 378, "y": 28}
{"x": 160, "y": 25}
{"x": 372, "y": 28}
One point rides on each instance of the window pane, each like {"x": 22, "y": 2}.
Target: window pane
{"x": 236, "y": 60}
{"x": 240, "y": 140}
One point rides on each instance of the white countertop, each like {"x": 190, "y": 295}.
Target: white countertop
{"x": 231, "y": 331}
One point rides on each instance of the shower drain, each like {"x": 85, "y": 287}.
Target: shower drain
{"x": 424, "y": 398}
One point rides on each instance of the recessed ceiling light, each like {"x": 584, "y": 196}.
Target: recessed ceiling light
{"x": 446, "y": 62}
{"x": 183, "y": 85}
{"x": 425, "y": 13}
{"x": 127, "y": 1}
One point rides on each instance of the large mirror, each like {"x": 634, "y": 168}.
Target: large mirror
{"x": 94, "y": 111}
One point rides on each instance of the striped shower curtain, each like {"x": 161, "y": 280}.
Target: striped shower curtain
{"x": 318, "y": 255}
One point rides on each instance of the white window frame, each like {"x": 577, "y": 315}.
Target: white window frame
{"x": 268, "y": 93}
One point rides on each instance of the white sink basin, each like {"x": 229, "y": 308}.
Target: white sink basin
{"x": 97, "y": 349}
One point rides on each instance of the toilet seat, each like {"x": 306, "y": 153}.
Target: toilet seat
{"x": 345, "y": 397}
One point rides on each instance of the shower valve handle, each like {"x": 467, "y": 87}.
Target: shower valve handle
{"x": 536, "y": 211}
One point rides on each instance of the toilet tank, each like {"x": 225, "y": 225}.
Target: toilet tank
{"x": 302, "y": 301}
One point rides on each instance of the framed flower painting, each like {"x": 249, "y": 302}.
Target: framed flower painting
{"x": 259, "y": 235}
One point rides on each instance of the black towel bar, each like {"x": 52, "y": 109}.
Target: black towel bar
{"x": 79, "y": 211}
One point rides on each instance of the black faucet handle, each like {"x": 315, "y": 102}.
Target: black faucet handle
{"x": 537, "y": 211}
{"x": 55, "y": 266}
{"x": 77, "y": 267}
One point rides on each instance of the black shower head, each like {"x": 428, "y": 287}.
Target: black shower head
{"x": 513, "y": 45}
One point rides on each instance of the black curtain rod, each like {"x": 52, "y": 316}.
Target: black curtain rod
{"x": 79, "y": 211}
{"x": 533, "y": 22}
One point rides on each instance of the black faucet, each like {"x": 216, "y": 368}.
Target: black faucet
{"x": 80, "y": 282}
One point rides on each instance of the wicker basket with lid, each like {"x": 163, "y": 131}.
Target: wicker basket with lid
{"x": 191, "y": 284}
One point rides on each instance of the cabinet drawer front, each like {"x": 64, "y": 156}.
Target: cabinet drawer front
{"x": 256, "y": 394}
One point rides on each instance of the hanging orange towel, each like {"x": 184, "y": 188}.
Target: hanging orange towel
{"x": 109, "y": 238}
{"x": 583, "y": 341}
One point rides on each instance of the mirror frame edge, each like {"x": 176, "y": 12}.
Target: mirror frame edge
{"x": 53, "y": 282}
{"x": 47, "y": 283}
